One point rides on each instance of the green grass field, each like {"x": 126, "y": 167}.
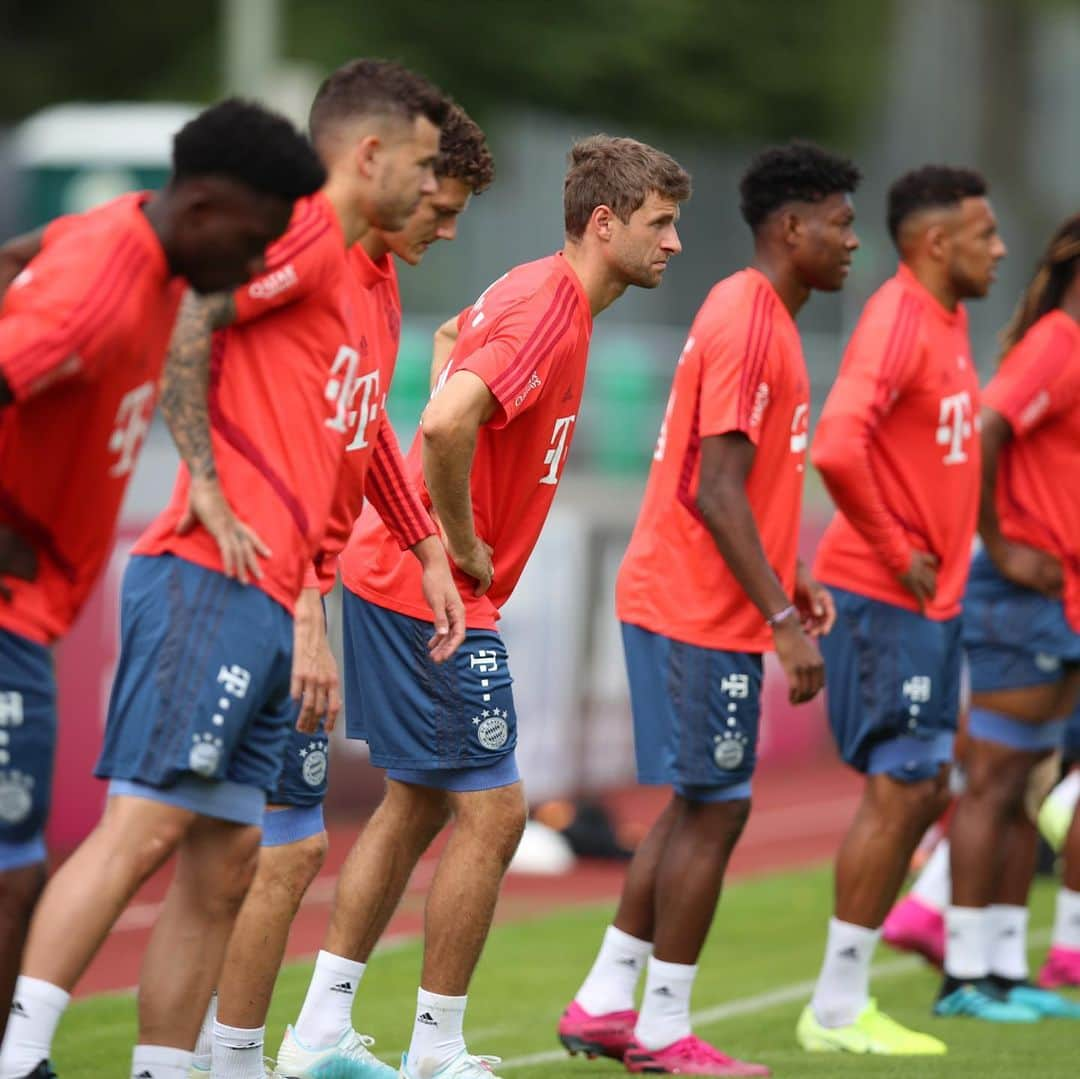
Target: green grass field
{"x": 764, "y": 950}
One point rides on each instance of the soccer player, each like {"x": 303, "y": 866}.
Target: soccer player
{"x": 1022, "y": 637}
{"x": 199, "y": 710}
{"x": 898, "y": 449}
{"x": 83, "y": 335}
{"x": 710, "y": 581}
{"x": 294, "y": 840}
{"x": 490, "y": 453}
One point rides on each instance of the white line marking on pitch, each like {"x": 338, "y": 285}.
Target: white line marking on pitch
{"x": 786, "y": 994}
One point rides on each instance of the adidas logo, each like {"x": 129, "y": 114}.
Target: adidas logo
{"x": 146, "y": 1073}
{"x": 18, "y": 1009}
{"x": 663, "y": 991}
{"x": 427, "y": 1019}
{"x": 342, "y": 987}
{"x": 1010, "y": 931}
{"x": 242, "y": 1048}
{"x": 631, "y": 963}
{"x": 848, "y": 953}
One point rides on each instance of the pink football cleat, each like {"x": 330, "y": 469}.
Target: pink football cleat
{"x": 1062, "y": 967}
{"x": 687, "y": 1056}
{"x": 607, "y": 1035}
{"x": 912, "y": 926}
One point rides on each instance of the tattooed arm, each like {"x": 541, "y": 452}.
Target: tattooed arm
{"x": 184, "y": 388}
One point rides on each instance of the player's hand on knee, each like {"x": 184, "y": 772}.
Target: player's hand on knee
{"x": 800, "y": 659}
{"x": 240, "y": 545}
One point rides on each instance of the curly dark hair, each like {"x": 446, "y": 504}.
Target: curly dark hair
{"x": 797, "y": 172}
{"x": 463, "y": 151}
{"x": 248, "y": 143}
{"x": 368, "y": 87}
{"x": 930, "y": 186}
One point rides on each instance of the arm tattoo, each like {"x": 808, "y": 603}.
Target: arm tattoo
{"x": 186, "y": 379}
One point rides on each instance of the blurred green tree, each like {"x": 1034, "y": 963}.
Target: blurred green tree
{"x": 727, "y": 67}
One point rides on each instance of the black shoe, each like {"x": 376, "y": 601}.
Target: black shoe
{"x": 42, "y": 1071}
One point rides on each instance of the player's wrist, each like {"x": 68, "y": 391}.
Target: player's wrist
{"x": 786, "y": 618}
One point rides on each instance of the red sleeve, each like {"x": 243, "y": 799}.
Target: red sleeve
{"x": 521, "y": 347}
{"x": 881, "y": 359}
{"x": 1038, "y": 380}
{"x": 57, "y": 315}
{"x": 307, "y": 255}
{"x": 734, "y": 371}
{"x": 393, "y": 496}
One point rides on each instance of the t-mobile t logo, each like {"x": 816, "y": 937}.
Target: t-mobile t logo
{"x": 955, "y": 426}
{"x": 132, "y": 423}
{"x": 555, "y": 456}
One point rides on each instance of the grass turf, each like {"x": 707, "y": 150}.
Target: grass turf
{"x": 765, "y": 942}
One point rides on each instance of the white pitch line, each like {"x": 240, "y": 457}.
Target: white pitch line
{"x": 785, "y": 994}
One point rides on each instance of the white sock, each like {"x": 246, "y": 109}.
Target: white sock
{"x": 1067, "y": 919}
{"x": 933, "y": 888}
{"x": 36, "y": 1009}
{"x": 238, "y": 1053}
{"x": 665, "y": 1007}
{"x": 1008, "y": 941}
{"x": 843, "y": 986}
{"x": 437, "y": 1038}
{"x": 326, "y": 1016}
{"x": 612, "y": 982}
{"x": 205, "y": 1042}
{"x": 967, "y": 942}
{"x": 160, "y": 1062}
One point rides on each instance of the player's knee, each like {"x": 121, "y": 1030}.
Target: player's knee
{"x": 496, "y": 816}
{"x": 307, "y": 858}
{"x": 721, "y": 819}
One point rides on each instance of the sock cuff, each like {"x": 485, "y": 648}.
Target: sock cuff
{"x": 424, "y": 999}
{"x": 164, "y": 1055}
{"x": 38, "y": 989}
{"x": 671, "y": 971}
{"x": 338, "y": 964}
{"x": 1011, "y": 910}
{"x": 850, "y": 929}
{"x": 615, "y": 936}
{"x": 226, "y": 1033}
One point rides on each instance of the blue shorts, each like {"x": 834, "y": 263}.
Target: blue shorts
{"x": 696, "y": 713}
{"x": 202, "y": 688}
{"x": 450, "y": 725}
{"x": 1071, "y": 750}
{"x": 27, "y": 745}
{"x": 1013, "y": 636}
{"x": 892, "y": 680}
{"x": 306, "y": 768}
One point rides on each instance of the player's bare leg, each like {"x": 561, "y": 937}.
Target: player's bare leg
{"x": 257, "y": 945}
{"x": 876, "y": 851}
{"x": 215, "y": 866}
{"x": 461, "y": 902}
{"x": 636, "y": 913}
{"x": 19, "y": 891}
{"x": 90, "y": 890}
{"x": 984, "y": 935}
{"x": 77, "y": 909}
{"x": 377, "y": 870}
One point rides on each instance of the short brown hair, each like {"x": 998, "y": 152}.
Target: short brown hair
{"x": 619, "y": 173}
{"x": 463, "y": 151}
{"x": 367, "y": 87}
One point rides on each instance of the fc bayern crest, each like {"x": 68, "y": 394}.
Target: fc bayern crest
{"x": 314, "y": 767}
{"x": 16, "y": 799}
{"x": 493, "y": 731}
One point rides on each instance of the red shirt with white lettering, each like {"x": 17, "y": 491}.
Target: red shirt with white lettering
{"x": 527, "y": 338}
{"x": 282, "y": 385}
{"x": 1037, "y": 389}
{"x": 898, "y": 448}
{"x": 373, "y": 466}
{"x": 83, "y": 336}
{"x": 742, "y": 370}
